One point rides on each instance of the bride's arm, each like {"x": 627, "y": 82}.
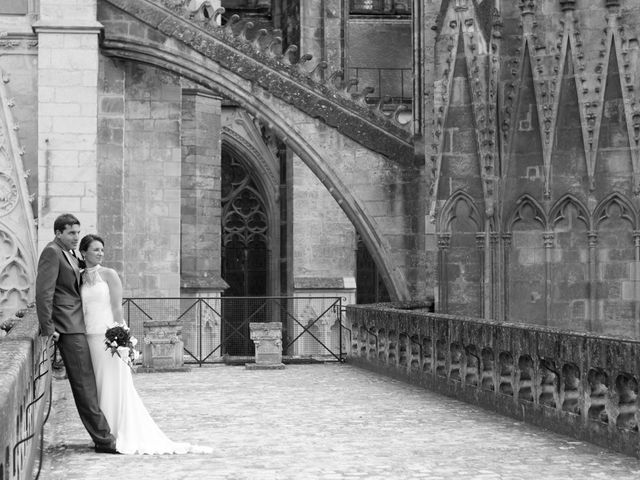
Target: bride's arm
{"x": 115, "y": 294}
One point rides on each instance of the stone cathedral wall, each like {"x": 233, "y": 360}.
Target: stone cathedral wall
{"x": 536, "y": 162}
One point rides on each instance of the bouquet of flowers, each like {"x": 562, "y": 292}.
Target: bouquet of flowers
{"x": 119, "y": 341}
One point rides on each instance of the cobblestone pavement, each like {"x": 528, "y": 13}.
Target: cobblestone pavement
{"x": 321, "y": 422}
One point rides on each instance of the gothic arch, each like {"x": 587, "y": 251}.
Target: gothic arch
{"x": 185, "y": 61}
{"x": 461, "y": 261}
{"x": 267, "y": 192}
{"x": 522, "y": 203}
{"x": 558, "y": 211}
{"x": 614, "y": 240}
{"x": 448, "y": 213}
{"x": 627, "y": 210}
{"x": 264, "y": 180}
{"x": 16, "y": 275}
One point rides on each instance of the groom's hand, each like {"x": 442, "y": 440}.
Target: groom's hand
{"x": 55, "y": 336}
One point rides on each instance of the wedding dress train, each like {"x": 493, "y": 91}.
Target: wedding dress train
{"x": 130, "y": 422}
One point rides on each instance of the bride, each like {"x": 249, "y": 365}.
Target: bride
{"x": 130, "y": 422}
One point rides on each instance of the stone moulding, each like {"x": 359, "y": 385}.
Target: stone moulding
{"x": 236, "y": 53}
{"x": 577, "y": 384}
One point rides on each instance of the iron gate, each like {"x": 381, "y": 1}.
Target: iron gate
{"x": 216, "y": 329}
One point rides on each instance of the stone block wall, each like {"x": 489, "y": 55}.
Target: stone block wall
{"x": 201, "y": 241}
{"x": 25, "y": 377}
{"x": 152, "y": 181}
{"x": 111, "y": 136}
{"x": 67, "y": 108}
{"x": 534, "y": 160}
{"x": 323, "y": 237}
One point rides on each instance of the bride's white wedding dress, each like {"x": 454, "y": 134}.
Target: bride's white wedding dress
{"x": 130, "y": 422}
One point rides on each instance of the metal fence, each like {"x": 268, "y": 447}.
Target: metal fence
{"x": 380, "y": 7}
{"x": 216, "y": 329}
{"x": 395, "y": 83}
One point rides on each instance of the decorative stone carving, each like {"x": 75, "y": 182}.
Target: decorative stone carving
{"x": 17, "y": 227}
{"x": 8, "y": 194}
{"x": 163, "y": 347}
{"x": 267, "y": 337}
{"x": 527, "y": 7}
{"x": 567, "y": 5}
{"x": 257, "y": 55}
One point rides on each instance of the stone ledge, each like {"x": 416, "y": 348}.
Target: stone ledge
{"x": 263, "y": 366}
{"x": 319, "y": 283}
{"x": 541, "y": 375}
{"x": 21, "y": 353}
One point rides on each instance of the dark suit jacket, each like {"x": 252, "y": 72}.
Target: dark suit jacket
{"x": 58, "y": 301}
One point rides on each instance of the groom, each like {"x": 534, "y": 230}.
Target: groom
{"x": 60, "y": 315}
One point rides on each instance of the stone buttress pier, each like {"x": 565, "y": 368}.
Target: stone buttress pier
{"x": 67, "y": 112}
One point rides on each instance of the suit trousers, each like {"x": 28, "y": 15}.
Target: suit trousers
{"x": 74, "y": 350}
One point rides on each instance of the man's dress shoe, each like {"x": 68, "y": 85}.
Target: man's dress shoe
{"x": 106, "y": 449}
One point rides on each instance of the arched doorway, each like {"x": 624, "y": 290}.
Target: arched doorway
{"x": 245, "y": 259}
{"x": 369, "y": 281}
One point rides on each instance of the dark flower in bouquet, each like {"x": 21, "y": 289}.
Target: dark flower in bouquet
{"x": 119, "y": 341}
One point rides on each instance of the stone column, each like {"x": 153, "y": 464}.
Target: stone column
{"x": 67, "y": 112}
{"x": 201, "y": 190}
{"x": 507, "y": 240}
{"x": 594, "y": 320}
{"x": 485, "y": 277}
{"x": 312, "y": 32}
{"x": 201, "y": 230}
{"x": 424, "y": 47}
{"x": 442, "y": 294}
{"x": 549, "y": 239}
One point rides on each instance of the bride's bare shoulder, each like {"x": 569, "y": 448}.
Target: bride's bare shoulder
{"x": 108, "y": 273}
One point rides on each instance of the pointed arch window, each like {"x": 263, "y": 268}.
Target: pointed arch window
{"x": 245, "y": 235}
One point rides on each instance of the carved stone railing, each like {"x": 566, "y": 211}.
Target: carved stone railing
{"x": 581, "y": 385}
{"x": 25, "y": 387}
{"x": 257, "y": 56}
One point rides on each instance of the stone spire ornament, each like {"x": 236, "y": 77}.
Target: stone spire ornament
{"x": 527, "y": 7}
{"x": 567, "y": 5}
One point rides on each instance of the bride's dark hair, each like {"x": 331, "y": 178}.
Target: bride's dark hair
{"x": 88, "y": 240}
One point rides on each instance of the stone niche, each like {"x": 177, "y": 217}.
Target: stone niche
{"x": 162, "y": 347}
{"x": 267, "y": 337}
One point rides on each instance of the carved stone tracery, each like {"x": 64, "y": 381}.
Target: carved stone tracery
{"x": 17, "y": 228}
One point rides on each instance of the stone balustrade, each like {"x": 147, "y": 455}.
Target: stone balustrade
{"x": 25, "y": 380}
{"x": 582, "y": 385}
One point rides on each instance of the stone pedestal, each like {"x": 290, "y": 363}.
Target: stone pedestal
{"x": 162, "y": 347}
{"x": 267, "y": 338}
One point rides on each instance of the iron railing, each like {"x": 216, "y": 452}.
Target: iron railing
{"x": 380, "y": 7}
{"x": 216, "y": 329}
{"x": 395, "y": 83}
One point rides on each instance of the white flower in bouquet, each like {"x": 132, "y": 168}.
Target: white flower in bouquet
{"x": 134, "y": 341}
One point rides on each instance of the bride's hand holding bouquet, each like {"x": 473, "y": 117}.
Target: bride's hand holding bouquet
{"x": 119, "y": 341}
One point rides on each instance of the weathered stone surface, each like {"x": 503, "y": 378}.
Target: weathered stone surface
{"x": 267, "y": 338}
{"x": 541, "y": 375}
